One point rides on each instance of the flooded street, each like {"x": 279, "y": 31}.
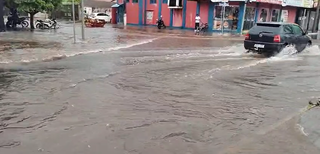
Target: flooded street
{"x": 131, "y": 93}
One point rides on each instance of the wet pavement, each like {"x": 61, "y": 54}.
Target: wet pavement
{"x": 128, "y": 92}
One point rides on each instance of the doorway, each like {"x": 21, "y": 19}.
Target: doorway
{"x": 249, "y": 18}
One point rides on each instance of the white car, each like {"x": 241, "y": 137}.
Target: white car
{"x": 102, "y": 16}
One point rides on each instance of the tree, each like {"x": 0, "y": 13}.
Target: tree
{"x": 2, "y": 26}
{"x": 34, "y": 6}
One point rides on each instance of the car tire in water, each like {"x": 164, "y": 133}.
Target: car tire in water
{"x": 269, "y": 54}
{"x": 309, "y": 44}
{"x": 284, "y": 46}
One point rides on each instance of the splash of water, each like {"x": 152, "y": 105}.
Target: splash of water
{"x": 288, "y": 53}
{"x": 311, "y": 51}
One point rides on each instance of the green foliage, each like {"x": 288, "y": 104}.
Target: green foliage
{"x": 34, "y": 6}
{"x": 75, "y": 1}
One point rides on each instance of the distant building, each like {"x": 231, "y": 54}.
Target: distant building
{"x": 94, "y": 6}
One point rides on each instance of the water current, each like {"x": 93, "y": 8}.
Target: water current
{"x": 146, "y": 94}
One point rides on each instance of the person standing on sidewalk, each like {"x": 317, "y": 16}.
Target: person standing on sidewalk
{"x": 197, "y": 22}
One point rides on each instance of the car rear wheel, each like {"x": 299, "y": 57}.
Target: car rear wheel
{"x": 283, "y": 46}
{"x": 309, "y": 44}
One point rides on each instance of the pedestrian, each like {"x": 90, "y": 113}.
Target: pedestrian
{"x": 197, "y": 22}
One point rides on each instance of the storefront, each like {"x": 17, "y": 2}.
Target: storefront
{"x": 257, "y": 11}
{"x": 230, "y": 15}
{"x": 230, "y": 19}
{"x": 305, "y": 16}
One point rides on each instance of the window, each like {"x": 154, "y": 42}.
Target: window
{"x": 174, "y": 3}
{"x": 135, "y": 1}
{"x": 127, "y": 1}
{"x": 165, "y": 1}
{"x": 153, "y": 1}
{"x": 102, "y": 14}
{"x": 263, "y": 15}
{"x": 230, "y": 19}
{"x": 297, "y": 30}
{"x": 275, "y": 15}
{"x": 287, "y": 29}
{"x": 269, "y": 28}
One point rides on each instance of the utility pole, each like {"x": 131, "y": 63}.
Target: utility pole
{"x": 316, "y": 20}
{"x": 74, "y": 22}
{"x": 82, "y": 19}
{"x": 243, "y": 16}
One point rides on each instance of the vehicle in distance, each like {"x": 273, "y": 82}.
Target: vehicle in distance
{"x": 269, "y": 38}
{"x": 101, "y": 16}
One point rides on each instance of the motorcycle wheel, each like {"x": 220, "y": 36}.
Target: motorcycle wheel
{"x": 24, "y": 24}
{"x": 159, "y": 26}
{"x": 41, "y": 26}
{"x": 8, "y": 25}
{"x": 38, "y": 26}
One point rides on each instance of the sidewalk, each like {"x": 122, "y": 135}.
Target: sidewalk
{"x": 175, "y": 32}
{"x": 153, "y": 30}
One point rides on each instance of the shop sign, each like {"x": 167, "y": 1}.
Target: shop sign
{"x": 307, "y": 3}
{"x": 223, "y": 4}
{"x": 300, "y": 3}
{"x": 297, "y": 3}
{"x": 284, "y": 15}
{"x": 271, "y": 1}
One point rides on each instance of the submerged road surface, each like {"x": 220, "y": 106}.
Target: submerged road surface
{"x": 121, "y": 93}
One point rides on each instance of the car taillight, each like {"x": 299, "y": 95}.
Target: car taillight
{"x": 277, "y": 38}
{"x": 247, "y": 36}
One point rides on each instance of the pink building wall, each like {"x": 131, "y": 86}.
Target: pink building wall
{"x": 177, "y": 18}
{"x": 191, "y": 14}
{"x": 132, "y": 15}
{"x": 204, "y": 9}
{"x": 191, "y": 9}
{"x": 165, "y": 11}
{"x": 292, "y": 14}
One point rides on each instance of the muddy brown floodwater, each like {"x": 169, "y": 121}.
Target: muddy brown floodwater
{"x": 140, "y": 94}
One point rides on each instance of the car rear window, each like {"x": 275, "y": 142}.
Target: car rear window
{"x": 268, "y": 28}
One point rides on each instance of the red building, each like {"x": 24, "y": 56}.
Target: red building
{"x": 181, "y": 13}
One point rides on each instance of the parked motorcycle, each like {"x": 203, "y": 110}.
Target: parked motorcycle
{"x": 48, "y": 24}
{"x": 202, "y": 28}
{"x": 160, "y": 24}
{"x": 23, "y": 21}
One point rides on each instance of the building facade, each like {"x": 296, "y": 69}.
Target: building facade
{"x": 181, "y": 13}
